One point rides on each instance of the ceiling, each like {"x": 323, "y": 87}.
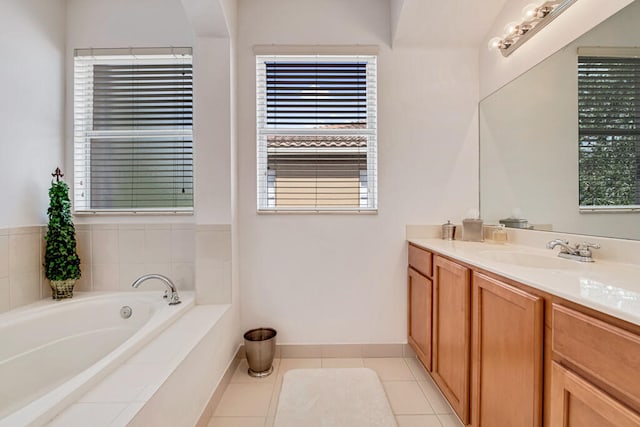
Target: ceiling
{"x": 445, "y": 23}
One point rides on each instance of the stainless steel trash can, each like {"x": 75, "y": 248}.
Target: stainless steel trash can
{"x": 260, "y": 348}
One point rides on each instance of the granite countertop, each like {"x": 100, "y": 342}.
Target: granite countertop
{"x": 609, "y": 287}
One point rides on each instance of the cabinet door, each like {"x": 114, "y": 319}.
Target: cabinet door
{"x": 451, "y": 334}
{"x": 507, "y": 339}
{"x": 577, "y": 403}
{"x": 419, "y": 317}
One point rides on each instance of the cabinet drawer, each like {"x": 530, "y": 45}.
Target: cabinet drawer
{"x": 421, "y": 260}
{"x": 607, "y": 353}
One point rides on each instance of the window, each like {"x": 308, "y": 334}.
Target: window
{"x": 133, "y": 144}
{"x": 609, "y": 131}
{"x": 316, "y": 133}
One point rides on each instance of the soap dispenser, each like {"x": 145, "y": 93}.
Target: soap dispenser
{"x": 500, "y": 235}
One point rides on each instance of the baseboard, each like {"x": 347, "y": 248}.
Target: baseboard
{"x": 314, "y": 351}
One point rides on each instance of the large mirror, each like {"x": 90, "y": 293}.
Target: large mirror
{"x": 530, "y": 161}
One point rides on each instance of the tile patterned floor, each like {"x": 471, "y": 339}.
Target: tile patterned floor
{"x": 414, "y": 398}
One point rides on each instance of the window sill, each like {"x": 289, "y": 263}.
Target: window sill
{"x": 138, "y": 212}
{"x": 312, "y": 211}
{"x": 608, "y": 209}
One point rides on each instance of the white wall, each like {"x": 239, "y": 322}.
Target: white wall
{"x": 31, "y": 106}
{"x": 496, "y": 70}
{"x": 342, "y": 278}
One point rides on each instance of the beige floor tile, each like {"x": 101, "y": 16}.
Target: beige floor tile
{"x": 417, "y": 369}
{"x": 288, "y": 364}
{"x": 343, "y": 363}
{"x": 275, "y": 397}
{"x": 435, "y": 398}
{"x": 270, "y": 421}
{"x": 245, "y": 400}
{"x": 406, "y": 398}
{"x": 390, "y": 369}
{"x": 241, "y": 376}
{"x": 236, "y": 422}
{"x": 418, "y": 421}
{"x": 450, "y": 420}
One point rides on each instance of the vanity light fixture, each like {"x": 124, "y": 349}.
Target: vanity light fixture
{"x": 534, "y": 18}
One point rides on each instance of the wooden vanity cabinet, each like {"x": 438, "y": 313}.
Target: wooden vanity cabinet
{"x": 577, "y": 403}
{"x": 420, "y": 303}
{"x": 451, "y": 333}
{"x": 595, "y": 373}
{"x": 507, "y": 355}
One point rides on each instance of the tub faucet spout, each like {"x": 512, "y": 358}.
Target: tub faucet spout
{"x": 173, "y": 297}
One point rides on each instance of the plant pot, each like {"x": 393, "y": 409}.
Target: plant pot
{"x": 61, "y": 289}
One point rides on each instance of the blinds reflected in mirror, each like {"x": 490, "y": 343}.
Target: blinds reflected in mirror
{"x": 133, "y": 120}
{"x": 316, "y": 132}
{"x": 609, "y": 132}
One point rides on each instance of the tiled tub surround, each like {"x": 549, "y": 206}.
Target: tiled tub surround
{"x": 82, "y": 339}
{"x": 606, "y": 286}
{"x": 114, "y": 255}
{"x": 195, "y": 257}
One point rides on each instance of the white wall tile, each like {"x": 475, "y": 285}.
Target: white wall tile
{"x": 157, "y": 245}
{"x": 24, "y": 288}
{"x": 213, "y": 282}
{"x": 213, "y": 245}
{"x": 128, "y": 273}
{"x": 183, "y": 242}
{"x": 183, "y": 275}
{"x": 24, "y": 252}
{"x": 131, "y": 248}
{"x": 104, "y": 246}
{"x": 5, "y": 294}
{"x": 4, "y": 256}
{"x": 85, "y": 281}
{"x": 105, "y": 277}
{"x": 83, "y": 245}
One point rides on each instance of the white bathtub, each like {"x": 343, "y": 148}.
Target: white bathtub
{"x": 52, "y": 352}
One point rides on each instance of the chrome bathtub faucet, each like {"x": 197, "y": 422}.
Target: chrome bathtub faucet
{"x": 173, "y": 298}
{"x": 580, "y": 252}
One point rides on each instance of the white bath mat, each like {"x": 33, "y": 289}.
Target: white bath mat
{"x": 347, "y": 397}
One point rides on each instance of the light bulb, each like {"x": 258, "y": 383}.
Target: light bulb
{"x": 495, "y": 43}
{"x": 530, "y": 12}
{"x": 510, "y": 28}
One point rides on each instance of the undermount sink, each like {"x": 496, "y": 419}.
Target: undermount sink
{"x": 529, "y": 260}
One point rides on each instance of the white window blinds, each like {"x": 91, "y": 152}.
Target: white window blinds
{"x": 609, "y": 132}
{"x": 316, "y": 133}
{"x": 133, "y": 145}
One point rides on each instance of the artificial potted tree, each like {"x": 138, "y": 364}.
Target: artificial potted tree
{"x": 61, "y": 261}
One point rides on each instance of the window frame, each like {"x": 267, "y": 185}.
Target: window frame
{"x": 586, "y": 57}
{"x": 266, "y": 192}
{"x": 84, "y": 132}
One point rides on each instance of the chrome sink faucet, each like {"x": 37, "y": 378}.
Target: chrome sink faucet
{"x": 173, "y": 298}
{"x": 579, "y": 252}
